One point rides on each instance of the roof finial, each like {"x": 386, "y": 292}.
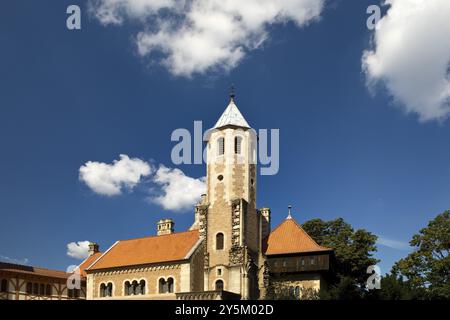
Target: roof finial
{"x": 289, "y": 212}
{"x": 232, "y": 92}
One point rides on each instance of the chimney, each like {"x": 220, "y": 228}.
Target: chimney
{"x": 93, "y": 248}
{"x": 165, "y": 226}
{"x": 265, "y": 222}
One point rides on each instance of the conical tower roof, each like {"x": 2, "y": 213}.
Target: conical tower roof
{"x": 231, "y": 117}
{"x": 289, "y": 238}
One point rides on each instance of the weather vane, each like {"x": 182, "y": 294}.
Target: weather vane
{"x": 232, "y": 92}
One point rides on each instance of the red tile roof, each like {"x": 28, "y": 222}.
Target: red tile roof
{"x": 22, "y": 269}
{"x": 86, "y": 263}
{"x": 289, "y": 237}
{"x": 154, "y": 249}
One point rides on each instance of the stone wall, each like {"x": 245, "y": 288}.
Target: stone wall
{"x": 151, "y": 275}
{"x": 280, "y": 285}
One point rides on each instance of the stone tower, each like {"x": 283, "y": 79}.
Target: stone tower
{"x": 227, "y": 215}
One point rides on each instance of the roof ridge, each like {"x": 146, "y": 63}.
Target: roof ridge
{"x": 299, "y": 241}
{"x": 102, "y": 255}
{"x": 159, "y": 236}
{"x": 300, "y": 226}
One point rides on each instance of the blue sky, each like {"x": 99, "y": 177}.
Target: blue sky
{"x": 69, "y": 97}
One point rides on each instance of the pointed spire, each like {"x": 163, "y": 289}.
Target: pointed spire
{"x": 231, "y": 116}
{"x": 289, "y": 212}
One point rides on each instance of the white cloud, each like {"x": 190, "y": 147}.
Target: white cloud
{"x": 197, "y": 36}
{"x": 175, "y": 190}
{"x": 114, "y": 11}
{"x": 23, "y": 261}
{"x": 179, "y": 191}
{"x": 411, "y": 56}
{"x": 110, "y": 179}
{"x": 78, "y": 250}
{"x": 393, "y": 244}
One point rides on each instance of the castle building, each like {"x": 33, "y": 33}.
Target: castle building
{"x": 229, "y": 252}
{"x": 22, "y": 282}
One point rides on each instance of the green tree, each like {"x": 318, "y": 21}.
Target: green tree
{"x": 427, "y": 269}
{"x": 353, "y": 251}
{"x": 394, "y": 287}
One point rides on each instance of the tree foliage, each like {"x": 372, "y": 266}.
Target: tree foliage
{"x": 427, "y": 269}
{"x": 353, "y": 251}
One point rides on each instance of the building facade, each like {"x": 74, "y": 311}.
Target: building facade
{"x": 229, "y": 251}
{"x": 20, "y": 282}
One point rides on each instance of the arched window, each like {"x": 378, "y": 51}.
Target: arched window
{"x": 35, "y": 288}
{"x": 4, "y": 286}
{"x": 42, "y": 289}
{"x": 161, "y": 285}
{"x": 253, "y": 151}
{"x": 135, "y": 288}
{"x": 297, "y": 292}
{"x": 221, "y": 146}
{"x": 48, "y": 290}
{"x": 237, "y": 145}
{"x": 109, "y": 289}
{"x": 142, "y": 287}
{"x": 29, "y": 288}
{"x": 170, "y": 285}
{"x": 103, "y": 290}
{"x": 219, "y": 285}
{"x": 291, "y": 292}
{"x": 127, "y": 288}
{"x": 219, "y": 241}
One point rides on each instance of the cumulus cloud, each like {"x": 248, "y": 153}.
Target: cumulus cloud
{"x": 78, "y": 250}
{"x": 393, "y": 244}
{"x": 411, "y": 56}
{"x": 172, "y": 189}
{"x": 110, "y": 179}
{"x": 197, "y": 36}
{"x": 179, "y": 191}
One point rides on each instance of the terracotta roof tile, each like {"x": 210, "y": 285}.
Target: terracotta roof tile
{"x": 86, "y": 263}
{"x": 289, "y": 237}
{"x": 17, "y": 268}
{"x": 154, "y": 249}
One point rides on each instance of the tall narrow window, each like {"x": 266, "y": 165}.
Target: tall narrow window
{"x": 48, "y": 290}
{"x": 142, "y": 287}
{"x": 219, "y": 285}
{"x": 291, "y": 292}
{"x": 237, "y": 145}
{"x": 42, "y": 289}
{"x": 170, "y": 285}
{"x": 219, "y": 241}
{"x": 4, "y": 286}
{"x": 134, "y": 284}
{"x": 35, "y": 288}
{"x": 102, "y": 290}
{"x": 29, "y": 288}
{"x": 127, "y": 288}
{"x": 221, "y": 146}
{"x": 109, "y": 290}
{"x": 297, "y": 292}
{"x": 161, "y": 285}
